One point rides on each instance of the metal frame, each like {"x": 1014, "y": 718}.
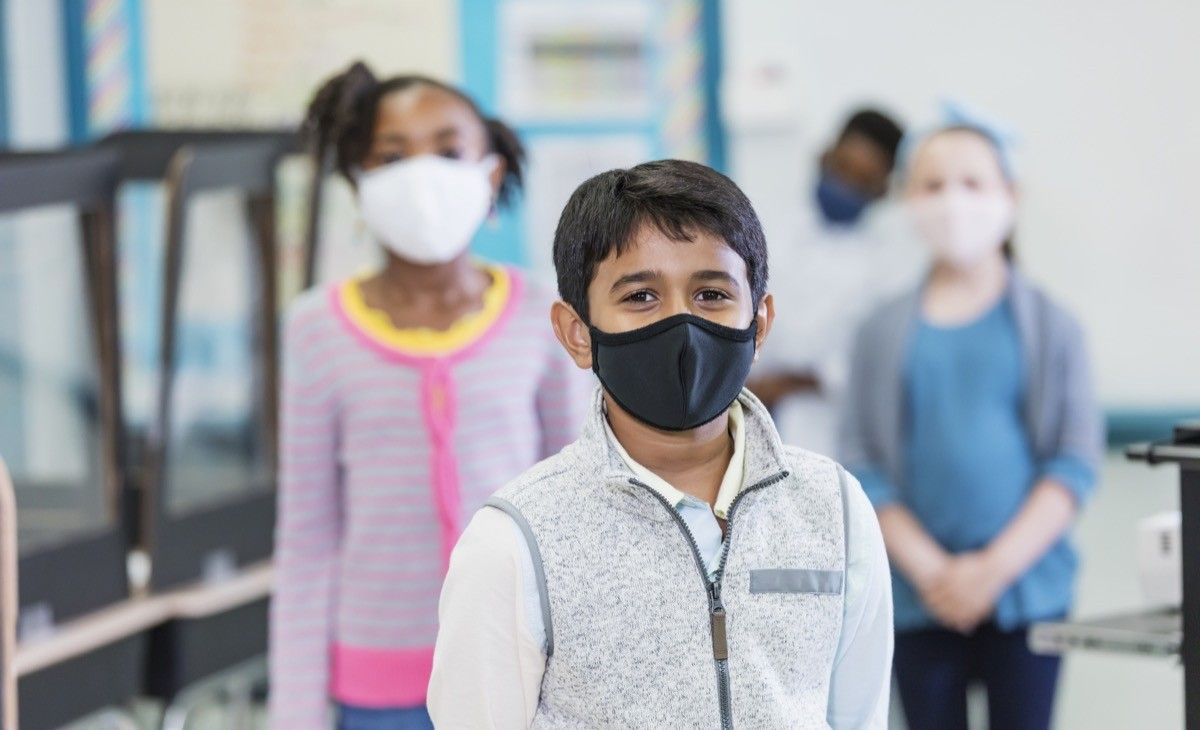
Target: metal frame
{"x": 87, "y": 570}
{"x": 1184, "y": 450}
{"x": 146, "y": 153}
{"x": 1162, "y": 631}
{"x": 183, "y": 651}
{"x": 321, "y": 160}
{"x": 146, "y": 156}
{"x": 179, "y": 544}
{"x": 186, "y": 652}
{"x": 107, "y": 676}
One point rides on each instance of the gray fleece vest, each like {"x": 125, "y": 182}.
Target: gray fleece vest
{"x": 637, "y": 636}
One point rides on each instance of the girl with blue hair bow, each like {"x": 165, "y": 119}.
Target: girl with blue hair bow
{"x": 972, "y": 425}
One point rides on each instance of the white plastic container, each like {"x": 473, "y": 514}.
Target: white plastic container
{"x": 1160, "y": 559}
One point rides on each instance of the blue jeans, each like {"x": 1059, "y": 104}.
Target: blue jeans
{"x": 390, "y": 718}
{"x": 934, "y": 666}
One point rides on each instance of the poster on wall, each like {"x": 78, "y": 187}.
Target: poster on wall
{"x": 557, "y": 165}
{"x": 257, "y": 62}
{"x": 576, "y": 62}
{"x": 593, "y": 86}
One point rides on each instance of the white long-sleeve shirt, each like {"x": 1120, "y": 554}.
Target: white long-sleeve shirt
{"x": 489, "y": 659}
{"x": 825, "y": 280}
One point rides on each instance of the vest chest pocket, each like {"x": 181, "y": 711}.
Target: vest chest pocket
{"x": 796, "y": 580}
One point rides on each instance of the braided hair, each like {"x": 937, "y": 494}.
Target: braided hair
{"x": 341, "y": 120}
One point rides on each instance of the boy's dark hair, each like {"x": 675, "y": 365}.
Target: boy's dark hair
{"x": 341, "y": 117}
{"x": 604, "y": 214}
{"x": 877, "y": 127}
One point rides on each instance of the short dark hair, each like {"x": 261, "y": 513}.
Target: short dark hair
{"x": 877, "y": 127}
{"x": 341, "y": 118}
{"x": 605, "y": 213}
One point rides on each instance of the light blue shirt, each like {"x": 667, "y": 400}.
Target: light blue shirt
{"x": 969, "y": 460}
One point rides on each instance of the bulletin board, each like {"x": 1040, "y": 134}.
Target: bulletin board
{"x": 257, "y": 62}
{"x": 589, "y": 87}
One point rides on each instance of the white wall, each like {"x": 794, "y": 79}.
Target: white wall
{"x": 1105, "y": 97}
{"x": 37, "y": 101}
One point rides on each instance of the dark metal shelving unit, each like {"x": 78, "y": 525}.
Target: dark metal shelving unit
{"x": 1161, "y": 632}
{"x": 80, "y": 573}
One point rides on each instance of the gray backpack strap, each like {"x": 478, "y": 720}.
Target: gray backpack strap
{"x": 845, "y": 521}
{"x": 539, "y": 571}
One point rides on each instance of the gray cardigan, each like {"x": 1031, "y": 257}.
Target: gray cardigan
{"x": 1060, "y": 408}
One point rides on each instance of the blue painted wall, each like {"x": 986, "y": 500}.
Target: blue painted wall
{"x": 75, "y": 44}
{"x": 75, "y": 48}
{"x": 501, "y": 237}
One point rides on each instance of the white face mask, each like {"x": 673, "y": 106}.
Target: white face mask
{"x": 427, "y": 208}
{"x": 962, "y": 227}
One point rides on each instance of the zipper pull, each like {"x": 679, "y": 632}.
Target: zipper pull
{"x": 720, "y": 644}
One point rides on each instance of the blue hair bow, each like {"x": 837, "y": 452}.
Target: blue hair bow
{"x": 957, "y": 115}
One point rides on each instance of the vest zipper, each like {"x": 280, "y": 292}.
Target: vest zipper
{"x": 712, "y": 588}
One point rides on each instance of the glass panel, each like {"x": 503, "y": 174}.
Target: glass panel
{"x": 141, "y": 251}
{"x": 216, "y": 445}
{"x": 49, "y": 397}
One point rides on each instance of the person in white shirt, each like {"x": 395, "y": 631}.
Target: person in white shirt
{"x": 852, "y": 251}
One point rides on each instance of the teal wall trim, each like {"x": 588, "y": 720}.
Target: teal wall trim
{"x": 713, "y": 63}
{"x": 75, "y": 44}
{"x": 1132, "y": 425}
{"x": 501, "y": 238}
{"x": 139, "y": 95}
{"x": 75, "y": 48}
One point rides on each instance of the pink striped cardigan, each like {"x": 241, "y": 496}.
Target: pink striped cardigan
{"x": 384, "y": 456}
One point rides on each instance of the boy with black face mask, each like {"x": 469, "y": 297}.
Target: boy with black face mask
{"x": 677, "y": 566}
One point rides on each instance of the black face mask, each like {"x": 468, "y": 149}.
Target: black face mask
{"x": 675, "y": 374}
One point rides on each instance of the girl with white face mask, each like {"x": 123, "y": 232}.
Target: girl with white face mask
{"x": 409, "y": 396}
{"x": 973, "y": 427}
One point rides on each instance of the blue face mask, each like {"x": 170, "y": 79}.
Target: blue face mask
{"x": 840, "y": 204}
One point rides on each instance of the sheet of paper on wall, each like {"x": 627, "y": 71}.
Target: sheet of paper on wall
{"x": 557, "y": 165}
{"x": 257, "y": 62}
{"x": 568, "y": 61}
{"x": 761, "y": 96}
